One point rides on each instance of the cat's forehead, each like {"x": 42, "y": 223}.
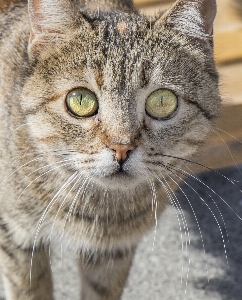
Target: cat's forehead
{"x": 121, "y": 53}
{"x": 113, "y": 41}
{"x": 125, "y": 23}
{"x": 114, "y": 37}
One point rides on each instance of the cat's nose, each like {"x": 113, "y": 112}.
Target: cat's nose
{"x": 121, "y": 150}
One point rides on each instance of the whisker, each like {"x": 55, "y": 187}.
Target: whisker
{"x": 44, "y": 214}
{"x": 85, "y": 188}
{"x": 187, "y": 235}
{"x": 54, "y": 199}
{"x": 197, "y": 179}
{"x": 154, "y": 203}
{"x": 76, "y": 177}
{"x": 219, "y": 211}
{"x": 72, "y": 206}
{"x": 201, "y": 165}
{"x": 24, "y": 165}
{"x": 226, "y": 145}
{"x": 27, "y": 163}
{"x": 17, "y": 128}
{"x": 230, "y": 207}
{"x": 26, "y": 153}
{"x": 229, "y": 135}
{"x": 178, "y": 211}
{"x": 202, "y": 199}
{"x": 84, "y": 184}
{"x": 197, "y": 222}
{"x": 40, "y": 153}
{"x": 185, "y": 226}
{"x": 75, "y": 198}
{"x": 62, "y": 163}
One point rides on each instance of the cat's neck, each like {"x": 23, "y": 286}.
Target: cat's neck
{"x": 108, "y": 5}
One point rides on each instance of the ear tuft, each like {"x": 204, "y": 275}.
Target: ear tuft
{"x": 191, "y": 17}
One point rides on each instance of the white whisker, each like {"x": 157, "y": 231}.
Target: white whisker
{"x": 45, "y": 212}
{"x": 71, "y": 206}
{"x": 62, "y": 163}
{"x": 16, "y": 170}
{"x": 154, "y": 203}
{"x": 226, "y": 145}
{"x": 17, "y": 128}
{"x": 209, "y": 208}
{"x": 76, "y": 177}
{"x": 219, "y": 211}
{"x": 185, "y": 227}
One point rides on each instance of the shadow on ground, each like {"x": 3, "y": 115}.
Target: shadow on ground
{"x": 210, "y": 267}
{"x": 218, "y": 213}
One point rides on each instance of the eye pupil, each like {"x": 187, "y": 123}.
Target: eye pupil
{"x": 80, "y": 100}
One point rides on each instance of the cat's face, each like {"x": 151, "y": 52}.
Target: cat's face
{"x": 146, "y": 85}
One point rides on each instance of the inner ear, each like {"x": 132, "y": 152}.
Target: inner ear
{"x": 191, "y": 17}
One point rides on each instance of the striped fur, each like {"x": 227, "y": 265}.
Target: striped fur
{"x": 61, "y": 181}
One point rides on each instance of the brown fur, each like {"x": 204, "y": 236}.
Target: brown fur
{"x": 62, "y": 175}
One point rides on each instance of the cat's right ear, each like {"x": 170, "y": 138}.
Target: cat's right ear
{"x": 50, "y": 21}
{"x": 193, "y": 18}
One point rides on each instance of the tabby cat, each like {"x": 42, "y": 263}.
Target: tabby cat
{"x": 99, "y": 107}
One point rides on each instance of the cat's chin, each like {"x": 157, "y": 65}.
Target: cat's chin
{"x": 119, "y": 180}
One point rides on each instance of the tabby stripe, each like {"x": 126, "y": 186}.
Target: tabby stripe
{"x": 105, "y": 219}
{"x": 8, "y": 252}
{"x": 4, "y": 227}
{"x": 117, "y": 254}
{"x": 205, "y": 113}
{"x": 98, "y": 288}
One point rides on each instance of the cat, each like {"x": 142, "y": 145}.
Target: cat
{"x": 100, "y": 106}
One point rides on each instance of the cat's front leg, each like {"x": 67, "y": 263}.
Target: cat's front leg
{"x": 21, "y": 281}
{"x": 103, "y": 277}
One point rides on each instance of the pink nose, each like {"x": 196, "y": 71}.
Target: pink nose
{"x": 121, "y": 150}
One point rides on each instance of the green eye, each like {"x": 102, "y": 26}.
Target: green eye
{"x": 82, "y": 102}
{"x": 161, "y": 104}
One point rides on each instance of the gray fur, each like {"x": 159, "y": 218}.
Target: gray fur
{"x": 61, "y": 179}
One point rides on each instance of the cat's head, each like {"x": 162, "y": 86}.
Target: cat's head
{"x": 117, "y": 95}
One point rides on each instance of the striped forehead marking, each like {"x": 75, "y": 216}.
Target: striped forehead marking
{"x": 122, "y": 27}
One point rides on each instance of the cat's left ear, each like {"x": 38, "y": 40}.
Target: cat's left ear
{"x": 194, "y": 18}
{"x": 50, "y": 20}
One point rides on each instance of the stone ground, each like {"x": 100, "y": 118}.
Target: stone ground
{"x": 167, "y": 266}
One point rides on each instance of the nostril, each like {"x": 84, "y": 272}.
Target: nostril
{"x": 122, "y": 150}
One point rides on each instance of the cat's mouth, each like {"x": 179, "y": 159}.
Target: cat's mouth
{"x": 118, "y": 179}
{"x": 108, "y": 172}
{"x": 121, "y": 173}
